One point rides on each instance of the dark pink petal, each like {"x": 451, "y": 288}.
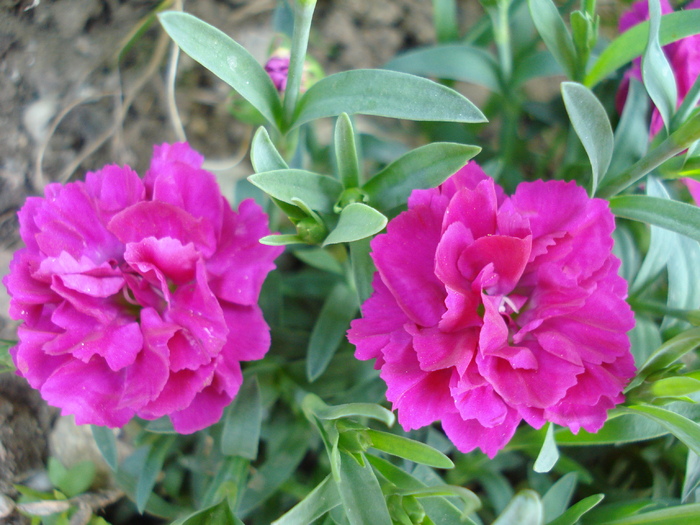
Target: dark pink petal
{"x": 476, "y": 209}
{"x": 468, "y": 434}
{"x": 145, "y": 378}
{"x": 694, "y": 188}
{"x": 437, "y": 350}
{"x": 249, "y": 336}
{"x": 195, "y": 308}
{"x": 405, "y": 260}
{"x": 113, "y": 189}
{"x": 179, "y": 391}
{"x": 90, "y": 391}
{"x": 205, "y": 410}
{"x": 382, "y": 317}
{"x": 162, "y": 260}
{"x": 241, "y": 263}
{"x": 159, "y": 220}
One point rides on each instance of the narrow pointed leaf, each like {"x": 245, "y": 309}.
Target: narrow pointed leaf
{"x": 362, "y": 268}
{"x": 263, "y": 153}
{"x": 360, "y": 493}
{"x": 451, "y": 61}
{"x": 554, "y": 33}
{"x": 346, "y": 152}
{"x": 319, "y": 192}
{"x": 678, "y": 515}
{"x": 680, "y": 426}
{"x": 631, "y": 44}
{"x": 557, "y": 498}
{"x": 329, "y": 330}
{"x": 322, "y": 499}
{"x": 356, "y": 222}
{"x": 227, "y": 59}
{"x": 281, "y": 240}
{"x": 107, "y": 444}
{"x": 656, "y": 71}
{"x": 525, "y": 509}
{"x": 631, "y": 132}
{"x": 409, "y": 449}
{"x": 574, "y": 513}
{"x": 242, "y": 422}
{"x": 422, "y": 168}
{"x": 385, "y": 94}
{"x": 669, "y": 353}
{"x": 549, "y": 453}
{"x": 151, "y": 467}
{"x": 673, "y": 215}
{"x": 592, "y": 126}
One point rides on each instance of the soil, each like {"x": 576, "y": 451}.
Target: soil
{"x": 69, "y": 103}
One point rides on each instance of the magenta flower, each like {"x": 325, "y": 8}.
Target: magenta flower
{"x": 683, "y": 55}
{"x": 139, "y": 297}
{"x": 278, "y": 68}
{"x": 488, "y": 310}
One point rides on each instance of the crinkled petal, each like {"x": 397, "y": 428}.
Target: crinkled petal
{"x": 468, "y": 434}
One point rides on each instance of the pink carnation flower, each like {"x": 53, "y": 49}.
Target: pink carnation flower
{"x": 488, "y": 310}
{"x": 683, "y": 55}
{"x": 139, "y": 297}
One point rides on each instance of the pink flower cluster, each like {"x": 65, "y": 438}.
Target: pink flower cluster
{"x": 683, "y": 55}
{"x": 489, "y": 309}
{"x": 139, "y": 297}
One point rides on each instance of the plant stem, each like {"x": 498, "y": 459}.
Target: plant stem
{"x": 303, "y": 13}
{"x": 677, "y": 142}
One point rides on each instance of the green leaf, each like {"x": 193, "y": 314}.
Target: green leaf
{"x": 524, "y": 509}
{"x": 322, "y": 499}
{"x": 675, "y": 386}
{"x": 657, "y": 73}
{"x": 362, "y": 268}
{"x": 319, "y": 192}
{"x": 357, "y": 221}
{"x": 661, "y": 244}
{"x": 422, "y": 168}
{"x": 319, "y": 258}
{"x": 683, "y": 428}
{"x": 679, "y": 515}
{"x": 445, "y": 16}
{"x": 315, "y": 405}
{"x": 72, "y": 481}
{"x": 691, "y": 482}
{"x": 227, "y": 59}
{"x": 360, "y": 493}
{"x": 346, "y": 152}
{"x": 554, "y": 33}
{"x": 645, "y": 338}
{"x": 151, "y": 468}
{"x": 281, "y": 240}
{"x": 683, "y": 278}
{"x": 242, "y": 421}
{"x": 461, "y": 62}
{"x": 219, "y": 514}
{"x": 631, "y": 43}
{"x": 549, "y": 453}
{"x": 669, "y": 214}
{"x": 632, "y": 131}
{"x": 278, "y": 468}
{"x": 263, "y": 154}
{"x": 106, "y": 444}
{"x": 557, "y": 498}
{"x": 440, "y": 510}
{"x": 384, "y": 94}
{"x": 534, "y": 65}
{"x": 574, "y": 513}
{"x": 329, "y": 330}
{"x": 409, "y": 449}
{"x": 668, "y": 353}
{"x": 592, "y": 126}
